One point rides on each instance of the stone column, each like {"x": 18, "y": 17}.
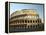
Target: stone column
{"x": 32, "y": 23}
{"x": 24, "y": 23}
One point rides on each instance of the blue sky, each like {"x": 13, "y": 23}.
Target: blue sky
{"x": 17, "y": 6}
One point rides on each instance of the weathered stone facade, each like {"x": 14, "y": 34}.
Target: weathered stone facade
{"x": 25, "y": 18}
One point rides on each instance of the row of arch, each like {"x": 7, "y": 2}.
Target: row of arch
{"x": 26, "y": 21}
{"x": 24, "y": 26}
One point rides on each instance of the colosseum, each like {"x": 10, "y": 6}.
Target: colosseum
{"x": 25, "y": 20}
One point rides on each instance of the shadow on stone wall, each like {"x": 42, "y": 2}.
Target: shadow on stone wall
{"x": 39, "y": 27}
